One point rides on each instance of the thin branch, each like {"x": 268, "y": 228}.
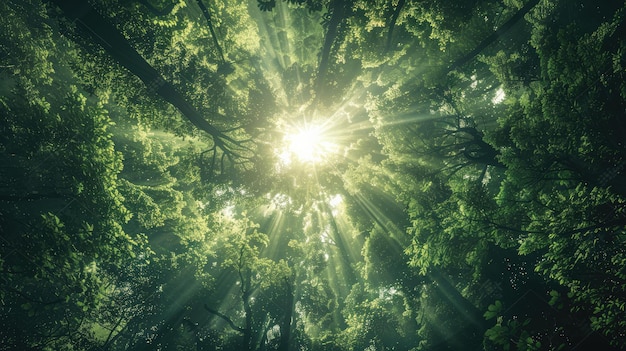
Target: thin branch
{"x": 225, "y": 318}
{"x": 108, "y": 339}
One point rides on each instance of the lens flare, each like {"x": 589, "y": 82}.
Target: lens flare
{"x": 309, "y": 145}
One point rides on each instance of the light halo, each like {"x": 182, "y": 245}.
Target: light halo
{"x": 307, "y": 144}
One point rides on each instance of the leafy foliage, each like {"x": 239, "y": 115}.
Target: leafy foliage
{"x": 472, "y": 196}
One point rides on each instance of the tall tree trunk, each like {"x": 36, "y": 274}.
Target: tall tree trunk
{"x": 286, "y": 324}
{"x": 246, "y": 294}
{"x": 344, "y": 250}
{"x": 339, "y": 9}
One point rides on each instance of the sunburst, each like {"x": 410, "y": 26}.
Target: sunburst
{"x": 307, "y": 145}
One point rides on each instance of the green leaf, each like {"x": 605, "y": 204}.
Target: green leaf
{"x": 493, "y": 310}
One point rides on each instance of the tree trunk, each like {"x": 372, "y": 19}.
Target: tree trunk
{"x": 349, "y": 275}
{"x": 481, "y": 152}
{"x": 287, "y": 320}
{"x": 339, "y": 8}
{"x": 246, "y": 293}
{"x": 494, "y": 36}
{"x": 392, "y": 23}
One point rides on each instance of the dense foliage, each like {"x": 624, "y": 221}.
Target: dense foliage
{"x": 466, "y": 191}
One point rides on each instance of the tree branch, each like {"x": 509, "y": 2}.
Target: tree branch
{"x": 392, "y": 23}
{"x": 155, "y": 11}
{"x": 207, "y": 16}
{"x": 115, "y": 44}
{"x": 225, "y": 318}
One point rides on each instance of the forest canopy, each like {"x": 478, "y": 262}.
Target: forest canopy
{"x": 312, "y": 175}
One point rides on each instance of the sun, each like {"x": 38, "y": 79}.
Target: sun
{"x": 305, "y": 144}
{"x": 309, "y": 145}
